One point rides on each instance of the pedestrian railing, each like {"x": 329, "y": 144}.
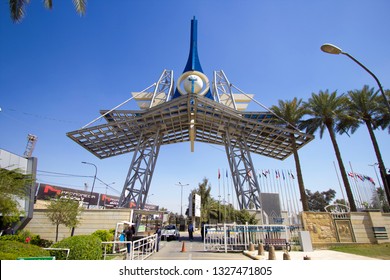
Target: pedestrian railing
{"x": 233, "y": 237}
{"x": 140, "y": 249}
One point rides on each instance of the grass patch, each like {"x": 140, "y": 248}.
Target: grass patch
{"x": 378, "y": 251}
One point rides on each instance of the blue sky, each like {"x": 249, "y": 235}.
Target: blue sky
{"x": 57, "y": 70}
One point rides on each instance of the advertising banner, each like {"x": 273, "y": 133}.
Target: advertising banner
{"x": 46, "y": 191}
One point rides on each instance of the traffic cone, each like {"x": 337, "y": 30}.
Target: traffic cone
{"x": 183, "y": 247}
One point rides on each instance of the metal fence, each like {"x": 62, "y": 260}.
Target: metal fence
{"x": 140, "y": 249}
{"x": 233, "y": 237}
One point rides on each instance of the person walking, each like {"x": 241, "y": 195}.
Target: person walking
{"x": 158, "y": 232}
{"x": 202, "y": 231}
{"x": 191, "y": 232}
{"x": 129, "y": 237}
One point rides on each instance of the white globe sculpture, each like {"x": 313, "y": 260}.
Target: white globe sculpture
{"x": 193, "y": 84}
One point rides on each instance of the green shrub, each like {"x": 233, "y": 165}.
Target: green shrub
{"x": 11, "y": 250}
{"x": 15, "y": 237}
{"x": 105, "y": 235}
{"x": 82, "y": 247}
{"x": 22, "y": 235}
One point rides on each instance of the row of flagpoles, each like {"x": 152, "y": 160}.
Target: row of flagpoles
{"x": 283, "y": 183}
{"x": 363, "y": 189}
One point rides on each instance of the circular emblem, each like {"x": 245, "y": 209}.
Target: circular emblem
{"x": 193, "y": 82}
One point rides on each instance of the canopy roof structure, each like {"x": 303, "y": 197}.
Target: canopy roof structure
{"x": 194, "y": 111}
{"x": 264, "y": 133}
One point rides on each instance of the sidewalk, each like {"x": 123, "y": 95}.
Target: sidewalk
{"x": 314, "y": 255}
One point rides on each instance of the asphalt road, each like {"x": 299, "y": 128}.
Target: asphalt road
{"x": 184, "y": 249}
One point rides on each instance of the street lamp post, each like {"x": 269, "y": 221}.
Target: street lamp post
{"x": 93, "y": 184}
{"x": 332, "y": 49}
{"x": 181, "y": 202}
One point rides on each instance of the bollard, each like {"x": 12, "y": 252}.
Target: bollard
{"x": 286, "y": 256}
{"x": 251, "y": 247}
{"x": 260, "y": 249}
{"x": 271, "y": 253}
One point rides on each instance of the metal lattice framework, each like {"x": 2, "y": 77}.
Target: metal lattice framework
{"x": 168, "y": 116}
{"x": 139, "y": 131}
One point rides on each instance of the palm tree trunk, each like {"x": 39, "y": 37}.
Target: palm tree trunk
{"x": 347, "y": 187}
{"x": 382, "y": 168}
{"x": 305, "y": 204}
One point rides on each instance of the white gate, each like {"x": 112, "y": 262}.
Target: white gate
{"x": 233, "y": 237}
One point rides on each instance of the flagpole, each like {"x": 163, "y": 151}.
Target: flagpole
{"x": 232, "y": 184}
{"x": 224, "y": 200}
{"x": 219, "y": 196}
{"x": 338, "y": 179}
{"x": 227, "y": 186}
{"x": 356, "y": 186}
{"x": 289, "y": 195}
{"x": 280, "y": 191}
{"x": 293, "y": 190}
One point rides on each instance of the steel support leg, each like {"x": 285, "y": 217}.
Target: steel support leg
{"x": 243, "y": 173}
{"x": 139, "y": 177}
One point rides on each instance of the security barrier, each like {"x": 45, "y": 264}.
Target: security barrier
{"x": 232, "y": 237}
{"x": 140, "y": 249}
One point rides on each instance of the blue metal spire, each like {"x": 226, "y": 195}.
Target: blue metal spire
{"x": 193, "y": 63}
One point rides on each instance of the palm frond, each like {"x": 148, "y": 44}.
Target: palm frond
{"x": 48, "y": 4}
{"x": 17, "y": 9}
{"x": 81, "y": 6}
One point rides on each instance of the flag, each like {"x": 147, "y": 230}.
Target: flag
{"x": 219, "y": 174}
{"x": 369, "y": 179}
{"x": 264, "y": 173}
{"x": 351, "y": 174}
{"x": 226, "y": 174}
{"x": 277, "y": 174}
{"x": 283, "y": 175}
{"x": 291, "y": 174}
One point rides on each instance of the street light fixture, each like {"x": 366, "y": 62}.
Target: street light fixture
{"x": 332, "y": 49}
{"x": 93, "y": 184}
{"x": 181, "y": 203}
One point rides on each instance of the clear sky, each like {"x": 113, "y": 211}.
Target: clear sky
{"x": 57, "y": 70}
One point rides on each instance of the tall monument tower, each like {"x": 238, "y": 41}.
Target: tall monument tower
{"x": 193, "y": 111}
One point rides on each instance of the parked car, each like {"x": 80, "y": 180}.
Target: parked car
{"x": 170, "y": 232}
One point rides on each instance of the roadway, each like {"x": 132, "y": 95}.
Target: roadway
{"x": 193, "y": 250}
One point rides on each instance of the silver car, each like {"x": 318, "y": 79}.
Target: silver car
{"x": 170, "y": 232}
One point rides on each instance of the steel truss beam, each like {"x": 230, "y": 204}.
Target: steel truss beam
{"x": 243, "y": 173}
{"x": 137, "y": 183}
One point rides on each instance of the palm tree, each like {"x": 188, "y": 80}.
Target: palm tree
{"x": 208, "y": 204}
{"x": 384, "y": 117}
{"x": 17, "y": 7}
{"x": 326, "y": 108}
{"x": 363, "y": 108}
{"x": 292, "y": 113}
